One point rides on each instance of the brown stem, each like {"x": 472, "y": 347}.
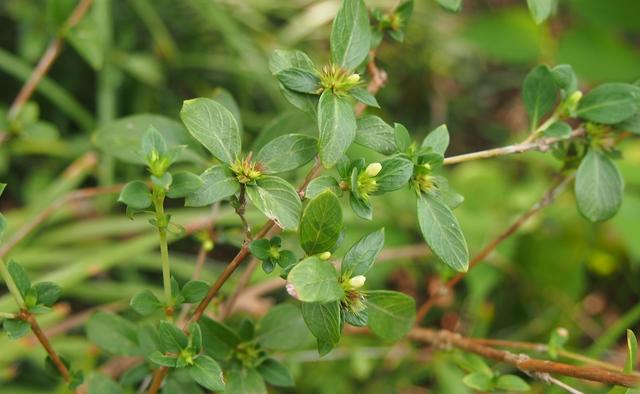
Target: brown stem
{"x": 44, "y": 341}
{"x": 531, "y": 366}
{"x": 557, "y": 187}
{"x": 47, "y": 59}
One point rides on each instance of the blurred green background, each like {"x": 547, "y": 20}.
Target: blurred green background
{"x": 465, "y": 70}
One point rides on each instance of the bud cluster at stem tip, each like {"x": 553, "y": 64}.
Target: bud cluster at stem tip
{"x": 338, "y": 79}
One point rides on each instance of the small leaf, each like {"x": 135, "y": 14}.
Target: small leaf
{"x": 218, "y": 340}
{"x": 172, "y": 339}
{"x": 153, "y": 141}
{"x": 558, "y": 130}
{"x": 610, "y": 103}
{"x": 321, "y": 223}
{"x": 194, "y": 291}
{"x": 245, "y": 381}
{"x": 299, "y": 80}
{"x": 207, "y": 373}
{"x": 48, "y": 293}
{"x": 260, "y": 248}
{"x": 565, "y": 79}
{"x": 113, "y": 333}
{"x": 402, "y": 137}
{"x": 479, "y": 381}
{"x": 136, "y": 195}
{"x": 540, "y": 9}
{"x": 375, "y": 134}
{"x": 213, "y": 126}
{"x": 277, "y": 200}
{"x": 360, "y": 257}
{"x": 15, "y": 328}
{"x": 314, "y": 280}
{"x": 390, "y": 314}
{"x": 350, "y": 34}
{"x": 437, "y": 140}
{"x": 283, "y": 59}
{"x": 163, "y": 181}
{"x": 286, "y": 153}
{"x": 145, "y": 303}
{"x": 361, "y": 207}
{"x": 442, "y": 232}
{"x": 599, "y": 187}
{"x": 276, "y": 373}
{"x": 511, "y": 383}
{"x": 364, "y": 96}
{"x": 20, "y": 277}
{"x": 337, "y": 125}
{"x": 162, "y": 360}
{"x": 218, "y": 184}
{"x": 632, "y": 352}
{"x": 322, "y": 183}
{"x": 98, "y": 383}
{"x": 225, "y": 98}
{"x": 451, "y": 5}
{"x": 184, "y": 183}
{"x": 396, "y": 173}
{"x": 539, "y": 93}
{"x": 282, "y": 328}
{"x": 323, "y": 321}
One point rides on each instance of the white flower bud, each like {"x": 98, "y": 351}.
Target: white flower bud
{"x": 291, "y": 290}
{"x": 373, "y": 169}
{"x": 357, "y": 281}
{"x": 563, "y": 332}
{"x": 353, "y": 78}
{"x": 324, "y": 255}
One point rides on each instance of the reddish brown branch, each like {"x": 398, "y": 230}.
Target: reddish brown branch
{"x": 557, "y": 187}
{"x": 44, "y": 341}
{"x": 532, "y": 366}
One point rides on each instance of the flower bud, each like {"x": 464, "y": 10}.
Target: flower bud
{"x": 324, "y": 255}
{"x": 373, "y": 169}
{"x": 353, "y": 78}
{"x": 563, "y": 332}
{"x": 357, "y": 281}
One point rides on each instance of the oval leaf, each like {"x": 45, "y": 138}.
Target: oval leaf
{"x": 218, "y": 183}
{"x": 314, "y": 280}
{"x": 391, "y": 314}
{"x": 359, "y": 259}
{"x": 539, "y": 93}
{"x": 350, "y": 34}
{"x": 610, "y": 103}
{"x": 278, "y": 200}
{"x": 337, "y": 125}
{"x": 321, "y": 223}
{"x": 286, "y": 153}
{"x": 599, "y": 187}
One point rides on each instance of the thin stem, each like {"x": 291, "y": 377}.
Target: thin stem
{"x": 11, "y": 285}
{"x": 162, "y": 223}
{"x": 240, "y": 210}
{"x": 44, "y": 341}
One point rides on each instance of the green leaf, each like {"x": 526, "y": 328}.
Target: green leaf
{"x": 163, "y": 360}
{"x": 195, "y": 338}
{"x": 86, "y": 39}
{"x": 437, "y": 140}
{"x": 391, "y": 314}
{"x": 451, "y": 5}
{"x": 260, "y": 248}
{"x": 350, "y": 34}
{"x": 184, "y": 183}
{"x": 145, "y": 303}
{"x": 207, "y": 373}
{"x": 314, "y": 280}
{"x": 511, "y": 383}
{"x": 218, "y": 340}
{"x": 479, "y": 381}
{"x": 402, "y": 137}
{"x": 286, "y": 153}
{"x": 324, "y": 323}
{"x": 362, "y": 208}
{"x": 136, "y": 195}
{"x": 275, "y": 373}
{"x": 245, "y": 381}
{"x": 194, "y": 291}
{"x": 218, "y": 183}
{"x": 631, "y": 124}
{"x": 122, "y": 138}
{"x": 565, "y": 79}
{"x": 395, "y": 173}
{"x": 48, "y": 293}
{"x": 172, "y": 339}
{"x": 364, "y": 96}
{"x": 282, "y": 328}
{"x": 284, "y": 59}
{"x": 321, "y": 223}
{"x": 375, "y": 134}
{"x": 98, "y": 383}
{"x": 337, "y": 125}
{"x": 153, "y": 141}
{"x": 20, "y": 277}
{"x": 632, "y": 352}
{"x": 540, "y": 9}
{"x": 277, "y": 200}
{"x": 211, "y": 124}
{"x": 299, "y": 80}
{"x": 610, "y": 103}
{"x": 322, "y": 183}
{"x": 360, "y": 257}
{"x": 163, "y": 181}
{"x": 113, "y": 333}
{"x": 15, "y": 328}
{"x": 599, "y": 187}
{"x": 539, "y": 93}
{"x": 443, "y": 234}
{"x": 225, "y": 98}
{"x": 558, "y": 130}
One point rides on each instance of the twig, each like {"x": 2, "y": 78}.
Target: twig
{"x": 542, "y": 145}
{"x": 557, "y": 187}
{"x": 47, "y": 59}
{"x": 44, "y": 341}
{"x": 446, "y": 339}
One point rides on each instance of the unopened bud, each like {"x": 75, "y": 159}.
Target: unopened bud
{"x": 353, "y": 78}
{"x": 324, "y": 256}
{"x": 357, "y": 281}
{"x": 563, "y": 332}
{"x": 574, "y": 99}
{"x": 373, "y": 169}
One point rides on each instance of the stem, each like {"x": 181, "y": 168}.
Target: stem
{"x": 11, "y": 285}
{"x": 44, "y": 341}
{"x": 162, "y": 223}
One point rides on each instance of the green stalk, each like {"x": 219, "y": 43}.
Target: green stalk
{"x": 161, "y": 223}
{"x": 11, "y": 285}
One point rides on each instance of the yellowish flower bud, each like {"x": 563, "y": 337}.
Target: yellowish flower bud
{"x": 324, "y": 255}
{"x": 373, "y": 169}
{"x": 353, "y": 78}
{"x": 357, "y": 281}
